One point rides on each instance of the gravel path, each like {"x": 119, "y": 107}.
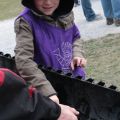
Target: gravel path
{"x": 96, "y": 29}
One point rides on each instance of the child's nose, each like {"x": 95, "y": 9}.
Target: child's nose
{"x": 48, "y": 2}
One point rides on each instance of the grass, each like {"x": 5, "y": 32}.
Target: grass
{"x": 9, "y": 8}
{"x": 103, "y": 57}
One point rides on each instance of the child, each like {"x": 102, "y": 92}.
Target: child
{"x": 46, "y": 34}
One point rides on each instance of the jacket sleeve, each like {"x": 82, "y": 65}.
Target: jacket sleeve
{"x": 23, "y": 103}
{"x": 78, "y": 50}
{"x": 24, "y": 54}
{"x": 46, "y": 109}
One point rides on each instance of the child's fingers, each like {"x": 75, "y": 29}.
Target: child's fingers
{"x": 83, "y": 63}
{"x": 78, "y": 62}
{"x": 72, "y": 65}
{"x": 74, "y": 111}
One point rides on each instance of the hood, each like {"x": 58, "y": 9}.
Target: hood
{"x": 64, "y": 8}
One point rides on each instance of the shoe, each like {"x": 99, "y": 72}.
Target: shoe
{"x": 109, "y": 21}
{"x": 117, "y": 22}
{"x": 96, "y": 18}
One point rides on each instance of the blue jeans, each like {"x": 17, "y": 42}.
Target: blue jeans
{"x": 87, "y": 9}
{"x": 111, "y": 8}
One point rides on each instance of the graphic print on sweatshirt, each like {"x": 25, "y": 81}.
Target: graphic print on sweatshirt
{"x": 64, "y": 55}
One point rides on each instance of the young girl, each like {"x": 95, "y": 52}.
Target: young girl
{"x": 46, "y": 34}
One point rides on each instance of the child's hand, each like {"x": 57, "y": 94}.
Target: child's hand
{"x": 77, "y": 61}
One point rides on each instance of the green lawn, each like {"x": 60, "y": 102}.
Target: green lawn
{"x": 9, "y": 8}
{"x": 103, "y": 57}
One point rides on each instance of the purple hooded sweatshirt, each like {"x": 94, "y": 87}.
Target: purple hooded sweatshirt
{"x": 53, "y": 45}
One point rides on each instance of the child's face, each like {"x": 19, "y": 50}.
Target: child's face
{"x": 47, "y": 6}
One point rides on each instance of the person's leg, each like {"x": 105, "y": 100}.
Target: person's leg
{"x": 108, "y": 11}
{"x": 87, "y": 9}
{"x": 107, "y": 8}
{"x": 116, "y": 11}
{"x": 116, "y": 8}
{"x": 89, "y": 12}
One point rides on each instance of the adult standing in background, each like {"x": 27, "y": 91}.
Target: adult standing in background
{"x": 112, "y": 11}
{"x": 89, "y": 13}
